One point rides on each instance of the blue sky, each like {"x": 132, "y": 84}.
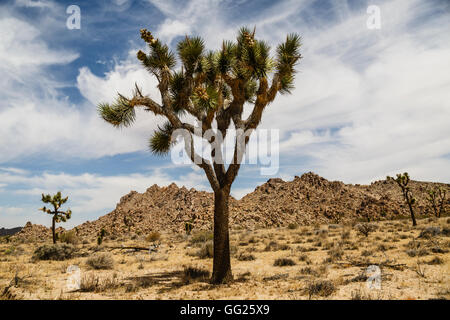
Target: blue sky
{"x": 368, "y": 102}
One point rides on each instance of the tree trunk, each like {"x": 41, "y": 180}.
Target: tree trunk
{"x": 221, "y": 261}
{"x": 412, "y": 212}
{"x": 53, "y": 230}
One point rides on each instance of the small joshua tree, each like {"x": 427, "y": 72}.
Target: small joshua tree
{"x": 436, "y": 198}
{"x": 56, "y": 201}
{"x": 403, "y": 180}
{"x": 188, "y": 226}
{"x": 100, "y": 236}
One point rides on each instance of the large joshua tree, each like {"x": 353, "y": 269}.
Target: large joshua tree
{"x": 212, "y": 87}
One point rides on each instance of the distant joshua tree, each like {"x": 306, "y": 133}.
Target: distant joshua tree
{"x": 56, "y": 201}
{"x": 436, "y": 197}
{"x": 211, "y": 87}
{"x": 403, "y": 180}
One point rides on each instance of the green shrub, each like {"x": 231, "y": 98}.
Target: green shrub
{"x": 14, "y": 251}
{"x": 69, "y": 237}
{"x": 292, "y": 226}
{"x": 59, "y": 252}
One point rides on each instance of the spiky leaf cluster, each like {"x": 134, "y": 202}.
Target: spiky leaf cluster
{"x": 161, "y": 140}
{"x": 207, "y": 79}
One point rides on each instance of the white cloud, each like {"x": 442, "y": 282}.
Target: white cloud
{"x": 21, "y": 48}
{"x": 34, "y": 3}
{"x": 367, "y": 102}
{"x": 11, "y": 210}
{"x": 90, "y": 195}
{"x": 362, "y": 95}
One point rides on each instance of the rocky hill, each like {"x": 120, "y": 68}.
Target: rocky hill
{"x": 313, "y": 199}
{"x": 305, "y": 200}
{"x": 35, "y": 232}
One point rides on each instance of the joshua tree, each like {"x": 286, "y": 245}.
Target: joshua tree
{"x": 101, "y": 234}
{"x": 189, "y": 225}
{"x": 211, "y": 85}
{"x": 403, "y": 180}
{"x": 56, "y": 201}
{"x": 436, "y": 198}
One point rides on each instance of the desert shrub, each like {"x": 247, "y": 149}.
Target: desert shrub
{"x": 153, "y": 236}
{"x": 281, "y": 276}
{"x": 100, "y": 261}
{"x": 435, "y": 261}
{"x": 69, "y": 237}
{"x": 246, "y": 257}
{"x": 366, "y": 253}
{"x": 365, "y": 228}
{"x": 14, "y": 251}
{"x": 430, "y": 232}
{"x": 335, "y": 253}
{"x": 252, "y": 240}
{"x": 323, "y": 288}
{"x": 359, "y": 295}
{"x": 306, "y": 249}
{"x": 304, "y": 258}
{"x": 5, "y": 239}
{"x": 193, "y": 274}
{"x": 274, "y": 246}
{"x": 92, "y": 283}
{"x": 244, "y": 276}
{"x": 420, "y": 252}
{"x": 283, "y": 262}
{"x": 206, "y": 250}
{"x": 322, "y": 233}
{"x": 59, "y": 252}
{"x": 308, "y": 270}
{"x": 202, "y": 236}
{"x": 345, "y": 235}
{"x": 438, "y": 249}
{"x": 292, "y": 226}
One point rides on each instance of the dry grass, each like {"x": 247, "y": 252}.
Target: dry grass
{"x": 277, "y": 263}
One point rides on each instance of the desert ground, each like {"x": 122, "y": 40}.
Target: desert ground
{"x": 294, "y": 262}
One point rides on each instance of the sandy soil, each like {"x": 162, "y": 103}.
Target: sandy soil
{"x": 330, "y": 262}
